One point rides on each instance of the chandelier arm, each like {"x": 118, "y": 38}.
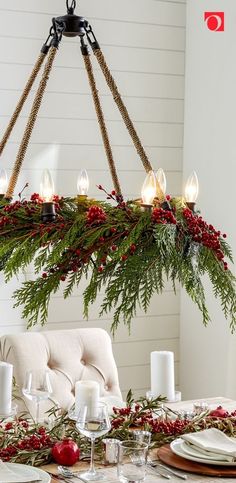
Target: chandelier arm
{"x": 125, "y": 115}
{"x": 31, "y": 122}
{"x": 100, "y": 116}
{"x": 22, "y": 99}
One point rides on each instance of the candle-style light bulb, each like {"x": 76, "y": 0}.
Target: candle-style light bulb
{"x": 3, "y": 182}
{"x": 46, "y": 186}
{"x": 161, "y": 178}
{"x": 47, "y": 192}
{"x": 83, "y": 183}
{"x": 192, "y": 188}
{"x": 148, "y": 191}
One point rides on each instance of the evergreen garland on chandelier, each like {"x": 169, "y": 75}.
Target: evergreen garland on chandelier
{"x": 127, "y": 248}
{"x": 121, "y": 248}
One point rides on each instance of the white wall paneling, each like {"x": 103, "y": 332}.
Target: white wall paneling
{"x": 144, "y": 44}
{"x": 209, "y": 148}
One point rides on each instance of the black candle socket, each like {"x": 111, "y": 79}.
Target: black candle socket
{"x": 48, "y": 212}
{"x": 191, "y": 205}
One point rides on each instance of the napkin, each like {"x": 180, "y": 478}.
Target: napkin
{"x": 9, "y": 476}
{"x": 212, "y": 442}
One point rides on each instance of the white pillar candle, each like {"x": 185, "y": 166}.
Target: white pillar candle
{"x": 162, "y": 374}
{"x": 6, "y": 375}
{"x": 86, "y": 394}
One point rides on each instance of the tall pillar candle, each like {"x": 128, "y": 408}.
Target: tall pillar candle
{"x": 162, "y": 374}
{"x": 86, "y": 394}
{"x": 6, "y": 375}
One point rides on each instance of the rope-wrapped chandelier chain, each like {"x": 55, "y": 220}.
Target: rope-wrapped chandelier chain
{"x": 31, "y": 122}
{"x": 22, "y": 100}
{"x": 125, "y": 115}
{"x": 27, "y": 89}
{"x": 101, "y": 120}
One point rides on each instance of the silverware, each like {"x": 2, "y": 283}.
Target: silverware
{"x": 67, "y": 473}
{"x": 57, "y": 477}
{"x": 169, "y": 470}
{"x": 157, "y": 472}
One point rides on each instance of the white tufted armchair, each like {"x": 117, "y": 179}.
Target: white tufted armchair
{"x": 69, "y": 355}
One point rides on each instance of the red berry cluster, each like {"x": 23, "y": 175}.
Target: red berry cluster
{"x": 57, "y": 198}
{"x": 12, "y": 207}
{"x": 168, "y": 427}
{"x": 75, "y": 261}
{"x": 36, "y": 198}
{"x": 37, "y": 441}
{"x": 163, "y": 216}
{"x": 5, "y": 220}
{"x": 135, "y": 415}
{"x": 140, "y": 417}
{"x": 96, "y": 215}
{"x": 205, "y": 234}
{"x": 122, "y": 411}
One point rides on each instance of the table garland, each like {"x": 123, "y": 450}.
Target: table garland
{"x": 118, "y": 246}
{"x": 23, "y": 441}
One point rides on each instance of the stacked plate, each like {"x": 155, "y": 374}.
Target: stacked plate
{"x": 210, "y": 446}
{"x": 16, "y": 473}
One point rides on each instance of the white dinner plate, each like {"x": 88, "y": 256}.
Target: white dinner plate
{"x": 194, "y": 452}
{"x": 26, "y": 471}
{"x": 176, "y": 447}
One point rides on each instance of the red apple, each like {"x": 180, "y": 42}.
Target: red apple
{"x": 66, "y": 452}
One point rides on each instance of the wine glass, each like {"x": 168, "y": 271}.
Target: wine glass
{"x": 93, "y": 422}
{"x": 132, "y": 460}
{"x": 37, "y": 387}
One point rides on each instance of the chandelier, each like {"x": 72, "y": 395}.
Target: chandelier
{"x": 129, "y": 247}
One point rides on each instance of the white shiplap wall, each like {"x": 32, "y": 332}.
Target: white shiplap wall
{"x": 143, "y": 42}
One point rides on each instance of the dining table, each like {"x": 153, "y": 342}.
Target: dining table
{"x": 110, "y": 471}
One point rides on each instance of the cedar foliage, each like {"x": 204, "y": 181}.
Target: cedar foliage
{"x": 129, "y": 254}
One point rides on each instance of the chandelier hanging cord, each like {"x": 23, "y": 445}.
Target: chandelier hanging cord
{"x": 32, "y": 117}
{"x": 121, "y": 106}
{"x": 26, "y": 91}
{"x": 100, "y": 116}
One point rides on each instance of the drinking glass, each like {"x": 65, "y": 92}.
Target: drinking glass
{"x": 37, "y": 387}
{"x": 93, "y": 422}
{"x": 142, "y": 436}
{"x": 132, "y": 460}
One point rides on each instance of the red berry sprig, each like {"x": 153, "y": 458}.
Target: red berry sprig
{"x": 163, "y": 216}
{"x": 37, "y": 441}
{"x": 96, "y": 215}
{"x": 205, "y": 234}
{"x": 36, "y": 198}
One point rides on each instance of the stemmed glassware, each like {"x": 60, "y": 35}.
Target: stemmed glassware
{"x": 93, "y": 422}
{"x": 37, "y": 387}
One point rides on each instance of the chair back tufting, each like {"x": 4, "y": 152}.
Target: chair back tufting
{"x": 69, "y": 355}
